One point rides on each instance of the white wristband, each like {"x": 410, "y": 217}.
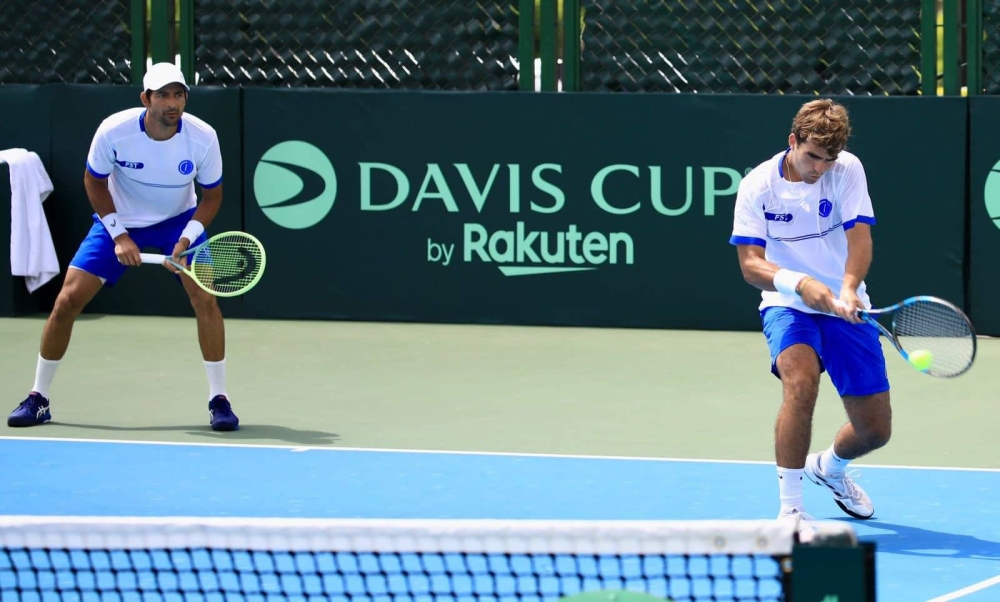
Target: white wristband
{"x": 786, "y": 281}
{"x": 113, "y": 224}
{"x": 192, "y": 231}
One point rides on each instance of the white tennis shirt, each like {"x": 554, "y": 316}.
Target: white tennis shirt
{"x": 803, "y": 227}
{"x": 150, "y": 180}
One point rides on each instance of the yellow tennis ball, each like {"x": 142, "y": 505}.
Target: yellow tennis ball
{"x": 921, "y": 359}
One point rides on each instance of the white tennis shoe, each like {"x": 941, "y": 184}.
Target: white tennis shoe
{"x": 851, "y": 498}
{"x": 794, "y": 514}
{"x": 798, "y": 517}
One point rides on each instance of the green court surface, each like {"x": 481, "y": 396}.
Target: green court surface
{"x": 559, "y": 390}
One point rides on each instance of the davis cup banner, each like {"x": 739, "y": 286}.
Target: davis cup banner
{"x": 591, "y": 210}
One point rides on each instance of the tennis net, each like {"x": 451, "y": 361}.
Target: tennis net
{"x": 128, "y": 559}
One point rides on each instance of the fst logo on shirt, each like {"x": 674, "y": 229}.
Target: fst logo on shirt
{"x": 130, "y": 164}
{"x": 778, "y": 217}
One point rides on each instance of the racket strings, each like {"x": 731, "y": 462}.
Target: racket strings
{"x": 938, "y": 328}
{"x": 228, "y": 263}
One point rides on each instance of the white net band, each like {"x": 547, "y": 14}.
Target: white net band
{"x": 765, "y": 537}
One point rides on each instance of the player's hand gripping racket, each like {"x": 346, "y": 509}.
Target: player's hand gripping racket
{"x": 935, "y": 336}
{"x": 226, "y": 265}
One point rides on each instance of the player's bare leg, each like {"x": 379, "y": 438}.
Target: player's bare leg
{"x": 869, "y": 426}
{"x": 211, "y": 327}
{"x": 78, "y": 289}
{"x": 799, "y": 368}
{"x": 212, "y": 340}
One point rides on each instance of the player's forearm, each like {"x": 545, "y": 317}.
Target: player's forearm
{"x": 208, "y": 208}
{"x": 759, "y": 272}
{"x": 99, "y": 195}
{"x": 859, "y": 257}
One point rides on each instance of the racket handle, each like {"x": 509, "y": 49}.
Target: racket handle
{"x": 843, "y": 305}
{"x": 152, "y": 258}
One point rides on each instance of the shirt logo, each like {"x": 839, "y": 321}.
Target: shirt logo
{"x": 130, "y": 164}
{"x": 185, "y": 167}
{"x": 825, "y": 207}
{"x": 778, "y": 217}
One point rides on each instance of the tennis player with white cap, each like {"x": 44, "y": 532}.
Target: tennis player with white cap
{"x": 141, "y": 171}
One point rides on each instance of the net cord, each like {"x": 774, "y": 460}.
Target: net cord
{"x": 727, "y": 537}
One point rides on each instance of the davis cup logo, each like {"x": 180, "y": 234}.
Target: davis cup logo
{"x": 295, "y": 184}
{"x": 991, "y": 193}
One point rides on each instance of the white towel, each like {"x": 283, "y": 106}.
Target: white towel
{"x": 32, "y": 253}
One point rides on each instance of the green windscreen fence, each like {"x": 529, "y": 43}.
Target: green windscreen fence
{"x": 374, "y": 44}
{"x": 991, "y": 46}
{"x": 71, "y": 41}
{"x": 780, "y": 46}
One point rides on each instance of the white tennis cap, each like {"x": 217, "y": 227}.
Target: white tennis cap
{"x": 163, "y": 74}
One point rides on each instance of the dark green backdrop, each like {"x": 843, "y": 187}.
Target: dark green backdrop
{"x": 363, "y": 264}
{"x": 543, "y": 151}
{"x": 984, "y": 234}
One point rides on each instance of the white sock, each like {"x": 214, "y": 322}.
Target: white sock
{"x": 216, "y": 378}
{"x": 831, "y": 464}
{"x": 45, "y": 371}
{"x": 790, "y": 487}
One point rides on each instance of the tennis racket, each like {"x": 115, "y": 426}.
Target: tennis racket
{"x": 226, "y": 265}
{"x": 928, "y": 324}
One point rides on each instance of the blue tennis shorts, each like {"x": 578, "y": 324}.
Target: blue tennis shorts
{"x": 96, "y": 254}
{"x": 850, "y": 353}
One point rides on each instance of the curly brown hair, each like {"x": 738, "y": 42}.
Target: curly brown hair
{"x": 824, "y": 123}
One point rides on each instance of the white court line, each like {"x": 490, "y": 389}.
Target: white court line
{"x": 300, "y": 448}
{"x": 968, "y": 590}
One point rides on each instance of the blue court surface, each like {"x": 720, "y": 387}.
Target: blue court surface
{"x": 937, "y": 530}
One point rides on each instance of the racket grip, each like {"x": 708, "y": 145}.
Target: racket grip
{"x": 843, "y": 305}
{"x": 152, "y": 258}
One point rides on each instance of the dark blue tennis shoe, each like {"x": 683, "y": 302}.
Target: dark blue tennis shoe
{"x": 32, "y": 411}
{"x": 221, "y": 416}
